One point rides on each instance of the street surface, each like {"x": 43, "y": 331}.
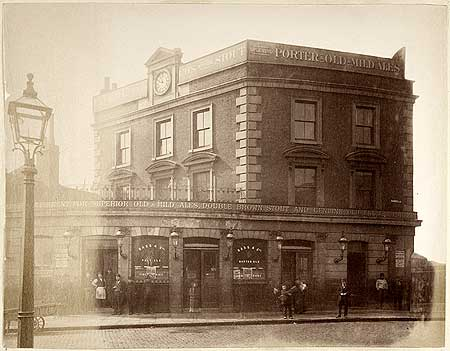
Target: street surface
{"x": 372, "y": 334}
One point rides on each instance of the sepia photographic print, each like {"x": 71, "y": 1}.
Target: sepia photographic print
{"x": 224, "y": 175}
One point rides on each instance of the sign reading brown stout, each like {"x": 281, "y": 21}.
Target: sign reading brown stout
{"x": 227, "y": 207}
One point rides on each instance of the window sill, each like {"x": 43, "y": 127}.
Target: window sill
{"x": 162, "y": 157}
{"x": 363, "y": 146}
{"x": 306, "y": 142}
{"x": 205, "y": 148}
{"x": 122, "y": 166}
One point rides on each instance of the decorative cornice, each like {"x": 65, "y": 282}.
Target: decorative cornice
{"x": 161, "y": 166}
{"x": 305, "y": 152}
{"x": 199, "y": 158}
{"x": 120, "y": 174}
{"x": 368, "y": 156}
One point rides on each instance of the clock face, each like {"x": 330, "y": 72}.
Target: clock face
{"x": 162, "y": 82}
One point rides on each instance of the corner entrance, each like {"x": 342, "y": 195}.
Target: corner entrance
{"x": 201, "y": 265}
{"x": 357, "y": 272}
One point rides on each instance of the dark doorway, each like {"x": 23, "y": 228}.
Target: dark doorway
{"x": 100, "y": 261}
{"x": 357, "y": 272}
{"x": 296, "y": 263}
{"x": 201, "y": 265}
{"x": 100, "y": 255}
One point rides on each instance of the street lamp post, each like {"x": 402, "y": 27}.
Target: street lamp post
{"x": 28, "y": 117}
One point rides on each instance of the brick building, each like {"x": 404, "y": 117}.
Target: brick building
{"x": 243, "y": 169}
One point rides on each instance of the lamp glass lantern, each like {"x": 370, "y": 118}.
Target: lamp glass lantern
{"x": 343, "y": 243}
{"x": 28, "y": 117}
{"x": 229, "y": 241}
{"x": 119, "y": 236}
{"x": 279, "y": 240}
{"x": 387, "y": 243}
{"x": 174, "y": 236}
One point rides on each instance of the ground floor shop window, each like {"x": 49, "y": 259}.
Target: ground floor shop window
{"x": 249, "y": 259}
{"x": 151, "y": 259}
{"x": 150, "y": 270}
{"x": 250, "y": 291}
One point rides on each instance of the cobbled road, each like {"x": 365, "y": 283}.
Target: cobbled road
{"x": 390, "y": 334}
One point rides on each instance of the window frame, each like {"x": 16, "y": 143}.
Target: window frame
{"x": 116, "y": 147}
{"x": 376, "y": 186}
{"x": 318, "y": 123}
{"x": 156, "y": 122}
{"x": 316, "y": 185}
{"x": 193, "y": 131}
{"x": 376, "y": 124}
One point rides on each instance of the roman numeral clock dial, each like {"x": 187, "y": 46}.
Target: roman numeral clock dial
{"x": 162, "y": 82}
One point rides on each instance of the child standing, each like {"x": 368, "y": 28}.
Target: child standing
{"x": 285, "y": 298}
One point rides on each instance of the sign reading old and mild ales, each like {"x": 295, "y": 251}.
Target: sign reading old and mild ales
{"x": 275, "y": 53}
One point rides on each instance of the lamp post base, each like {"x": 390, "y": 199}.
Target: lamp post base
{"x": 25, "y": 329}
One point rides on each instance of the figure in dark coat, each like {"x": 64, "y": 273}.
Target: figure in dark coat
{"x": 343, "y": 295}
{"x": 398, "y": 294}
{"x": 119, "y": 291}
{"x": 131, "y": 296}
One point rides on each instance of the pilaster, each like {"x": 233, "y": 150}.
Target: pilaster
{"x": 407, "y": 138}
{"x": 248, "y": 145}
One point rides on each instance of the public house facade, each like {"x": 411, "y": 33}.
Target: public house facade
{"x": 286, "y": 148}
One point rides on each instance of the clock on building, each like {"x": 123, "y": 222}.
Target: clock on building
{"x": 162, "y": 82}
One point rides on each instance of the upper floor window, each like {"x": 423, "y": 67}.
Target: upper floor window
{"x": 364, "y": 189}
{"x": 123, "y": 148}
{"x": 305, "y": 186}
{"x": 306, "y": 121}
{"x": 163, "y": 136}
{"x": 201, "y": 186}
{"x": 366, "y": 126}
{"x": 202, "y": 128}
{"x": 163, "y": 189}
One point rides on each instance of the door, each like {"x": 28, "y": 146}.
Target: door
{"x": 202, "y": 266}
{"x": 357, "y": 272}
{"x": 210, "y": 279}
{"x": 297, "y": 265}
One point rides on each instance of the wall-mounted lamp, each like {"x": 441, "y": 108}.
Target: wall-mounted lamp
{"x": 343, "y": 245}
{"x": 229, "y": 241}
{"x": 120, "y": 234}
{"x": 279, "y": 240}
{"x": 68, "y": 236}
{"x": 174, "y": 236}
{"x": 387, "y": 244}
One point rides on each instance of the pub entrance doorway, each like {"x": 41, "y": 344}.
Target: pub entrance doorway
{"x": 201, "y": 265}
{"x": 100, "y": 255}
{"x": 297, "y": 263}
{"x": 357, "y": 272}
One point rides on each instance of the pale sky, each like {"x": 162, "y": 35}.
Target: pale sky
{"x": 70, "y": 48}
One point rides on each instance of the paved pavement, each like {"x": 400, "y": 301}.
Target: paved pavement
{"x": 105, "y": 320}
{"x": 362, "y": 334}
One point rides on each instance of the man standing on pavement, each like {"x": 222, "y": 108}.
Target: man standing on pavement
{"x": 381, "y": 286}
{"x": 343, "y": 297}
{"x": 119, "y": 290}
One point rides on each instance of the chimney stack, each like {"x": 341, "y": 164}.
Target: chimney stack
{"x": 106, "y": 86}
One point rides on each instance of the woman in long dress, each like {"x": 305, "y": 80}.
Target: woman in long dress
{"x": 100, "y": 291}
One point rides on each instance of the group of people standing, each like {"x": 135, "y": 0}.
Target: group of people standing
{"x": 291, "y": 298}
{"x": 114, "y": 292}
{"x": 382, "y": 287}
